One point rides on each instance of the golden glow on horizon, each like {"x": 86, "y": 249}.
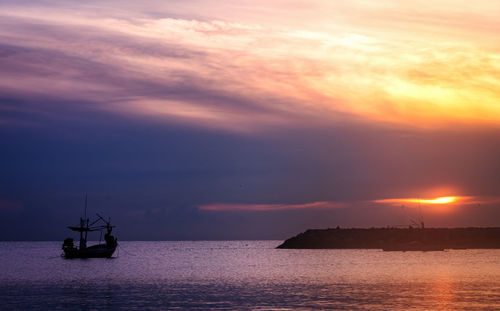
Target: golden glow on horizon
{"x": 438, "y": 200}
{"x": 441, "y": 200}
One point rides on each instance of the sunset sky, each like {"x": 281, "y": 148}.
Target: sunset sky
{"x": 248, "y": 119}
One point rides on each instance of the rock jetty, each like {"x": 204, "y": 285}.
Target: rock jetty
{"x": 397, "y": 238}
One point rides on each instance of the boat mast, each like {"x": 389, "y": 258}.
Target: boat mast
{"x": 87, "y": 220}
{"x": 420, "y": 213}
{"x": 84, "y": 226}
{"x": 85, "y": 205}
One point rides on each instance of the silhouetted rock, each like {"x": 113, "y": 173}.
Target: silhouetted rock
{"x": 396, "y": 238}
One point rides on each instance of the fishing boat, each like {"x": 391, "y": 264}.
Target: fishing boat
{"x": 421, "y": 243}
{"x": 101, "y": 250}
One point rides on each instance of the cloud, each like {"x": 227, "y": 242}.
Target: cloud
{"x": 453, "y": 200}
{"x": 397, "y": 202}
{"x": 268, "y": 207}
{"x": 283, "y": 75}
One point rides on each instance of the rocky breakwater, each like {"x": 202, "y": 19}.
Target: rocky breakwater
{"x": 396, "y": 238}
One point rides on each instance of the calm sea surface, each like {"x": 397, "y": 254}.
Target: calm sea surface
{"x": 246, "y": 275}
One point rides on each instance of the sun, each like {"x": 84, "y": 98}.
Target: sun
{"x": 440, "y": 200}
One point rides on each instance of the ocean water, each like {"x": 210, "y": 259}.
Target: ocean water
{"x": 246, "y": 275}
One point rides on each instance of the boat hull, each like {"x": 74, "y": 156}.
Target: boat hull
{"x": 96, "y": 251}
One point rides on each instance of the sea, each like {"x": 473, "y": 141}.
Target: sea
{"x": 246, "y": 275}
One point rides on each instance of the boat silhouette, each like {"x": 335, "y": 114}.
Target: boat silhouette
{"x": 101, "y": 250}
{"x": 418, "y": 243}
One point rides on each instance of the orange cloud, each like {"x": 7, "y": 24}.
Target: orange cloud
{"x": 438, "y": 200}
{"x": 461, "y": 200}
{"x": 269, "y": 207}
